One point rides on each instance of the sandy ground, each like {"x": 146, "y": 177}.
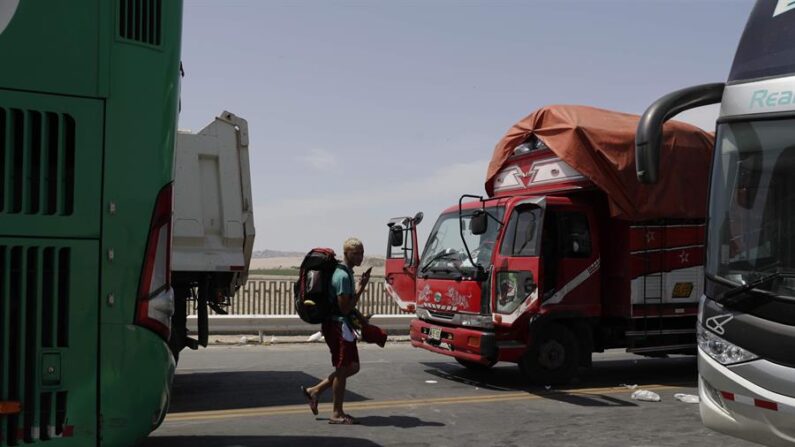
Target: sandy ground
{"x": 295, "y": 261}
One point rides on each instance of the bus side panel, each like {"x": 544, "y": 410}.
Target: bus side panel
{"x": 48, "y": 340}
{"x": 137, "y": 373}
{"x": 50, "y": 165}
{"x": 140, "y": 133}
{"x": 52, "y": 47}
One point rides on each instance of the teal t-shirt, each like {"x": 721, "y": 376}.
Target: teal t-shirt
{"x": 341, "y": 282}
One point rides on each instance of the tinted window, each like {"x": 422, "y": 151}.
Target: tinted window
{"x": 575, "y": 235}
{"x": 752, "y": 204}
{"x": 767, "y": 46}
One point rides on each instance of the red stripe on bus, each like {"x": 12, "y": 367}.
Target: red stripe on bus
{"x": 766, "y": 404}
{"x": 727, "y": 395}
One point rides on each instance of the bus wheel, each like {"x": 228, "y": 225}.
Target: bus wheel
{"x": 553, "y": 358}
{"x": 475, "y": 366}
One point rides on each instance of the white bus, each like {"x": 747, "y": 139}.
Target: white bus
{"x": 746, "y": 328}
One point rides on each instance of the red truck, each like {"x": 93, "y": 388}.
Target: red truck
{"x": 567, "y": 255}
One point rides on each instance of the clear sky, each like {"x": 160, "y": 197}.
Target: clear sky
{"x": 364, "y": 110}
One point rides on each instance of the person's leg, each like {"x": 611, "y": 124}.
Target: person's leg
{"x": 338, "y": 388}
{"x": 348, "y": 366}
{"x": 323, "y": 385}
{"x": 331, "y": 335}
{"x": 338, "y": 393}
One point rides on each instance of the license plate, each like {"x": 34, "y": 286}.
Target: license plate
{"x": 435, "y": 333}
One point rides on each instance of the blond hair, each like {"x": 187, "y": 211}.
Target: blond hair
{"x": 351, "y": 244}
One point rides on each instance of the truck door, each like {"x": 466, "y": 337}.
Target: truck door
{"x": 571, "y": 260}
{"x": 402, "y": 259}
{"x": 516, "y": 264}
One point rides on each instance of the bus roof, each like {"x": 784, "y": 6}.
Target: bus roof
{"x": 600, "y": 145}
{"x": 767, "y": 46}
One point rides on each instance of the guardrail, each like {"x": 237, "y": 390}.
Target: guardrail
{"x": 275, "y": 297}
{"x": 288, "y": 324}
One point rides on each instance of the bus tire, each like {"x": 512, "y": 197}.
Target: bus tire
{"x": 553, "y": 358}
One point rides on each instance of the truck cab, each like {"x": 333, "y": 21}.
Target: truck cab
{"x": 542, "y": 274}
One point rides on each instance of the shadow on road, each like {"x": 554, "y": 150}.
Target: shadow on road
{"x": 675, "y": 371}
{"x": 256, "y": 441}
{"x": 396, "y": 421}
{"x": 591, "y": 400}
{"x": 243, "y": 389}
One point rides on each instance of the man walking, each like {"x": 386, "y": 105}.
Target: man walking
{"x": 339, "y": 334}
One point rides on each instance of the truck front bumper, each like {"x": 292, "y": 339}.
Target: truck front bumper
{"x": 466, "y": 344}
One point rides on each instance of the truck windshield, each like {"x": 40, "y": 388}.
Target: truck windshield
{"x": 445, "y": 253}
{"x": 752, "y": 205}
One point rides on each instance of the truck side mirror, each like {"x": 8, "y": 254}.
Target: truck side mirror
{"x": 479, "y": 223}
{"x": 396, "y": 235}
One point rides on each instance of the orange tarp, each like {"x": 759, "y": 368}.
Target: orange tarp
{"x": 600, "y": 144}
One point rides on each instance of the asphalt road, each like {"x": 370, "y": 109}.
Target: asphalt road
{"x": 249, "y": 396}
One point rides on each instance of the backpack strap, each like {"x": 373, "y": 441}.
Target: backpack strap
{"x": 337, "y": 313}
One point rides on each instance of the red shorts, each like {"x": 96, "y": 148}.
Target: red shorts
{"x": 343, "y": 353}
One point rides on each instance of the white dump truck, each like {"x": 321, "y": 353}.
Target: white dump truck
{"x": 213, "y": 231}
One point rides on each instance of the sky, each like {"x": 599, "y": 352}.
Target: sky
{"x": 360, "y": 111}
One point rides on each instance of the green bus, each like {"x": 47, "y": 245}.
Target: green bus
{"x": 89, "y": 97}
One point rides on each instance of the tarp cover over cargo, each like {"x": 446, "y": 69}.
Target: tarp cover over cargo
{"x": 600, "y": 144}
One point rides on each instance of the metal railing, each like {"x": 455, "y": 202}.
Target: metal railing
{"x": 275, "y": 297}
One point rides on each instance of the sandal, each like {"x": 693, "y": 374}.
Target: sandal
{"x": 310, "y": 400}
{"x": 346, "y": 420}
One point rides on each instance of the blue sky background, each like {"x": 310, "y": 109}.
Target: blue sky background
{"x": 362, "y": 111}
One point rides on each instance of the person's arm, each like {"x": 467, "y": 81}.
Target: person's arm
{"x": 363, "y": 283}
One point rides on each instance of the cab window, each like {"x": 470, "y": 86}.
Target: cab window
{"x": 575, "y": 235}
{"x": 521, "y": 235}
{"x": 404, "y": 251}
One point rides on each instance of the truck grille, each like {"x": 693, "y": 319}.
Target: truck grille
{"x": 441, "y": 315}
{"x": 34, "y": 304}
{"x": 37, "y": 162}
{"x": 140, "y": 21}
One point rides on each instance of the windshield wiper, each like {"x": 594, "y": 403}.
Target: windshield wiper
{"x": 741, "y": 291}
{"x": 436, "y": 257}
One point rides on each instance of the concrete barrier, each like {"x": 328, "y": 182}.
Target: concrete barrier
{"x": 288, "y": 324}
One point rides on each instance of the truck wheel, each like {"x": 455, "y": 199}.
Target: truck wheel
{"x": 177, "y": 340}
{"x": 553, "y": 358}
{"x": 179, "y": 331}
{"x": 475, "y": 366}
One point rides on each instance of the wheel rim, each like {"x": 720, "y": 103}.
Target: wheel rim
{"x": 552, "y": 355}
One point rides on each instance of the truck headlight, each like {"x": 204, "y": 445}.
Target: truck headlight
{"x": 481, "y": 321}
{"x": 721, "y": 350}
{"x": 512, "y": 289}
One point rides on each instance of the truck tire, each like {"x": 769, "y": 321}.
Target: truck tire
{"x": 475, "y": 366}
{"x": 179, "y": 331}
{"x": 175, "y": 343}
{"x": 553, "y": 358}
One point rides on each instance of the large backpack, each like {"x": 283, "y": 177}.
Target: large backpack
{"x": 312, "y": 290}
